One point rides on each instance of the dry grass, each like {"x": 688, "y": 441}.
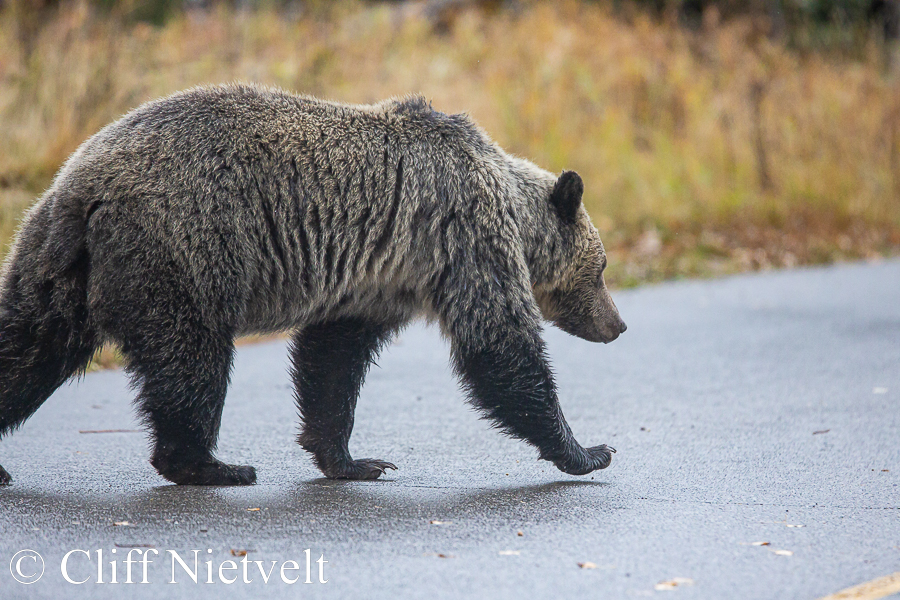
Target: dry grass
{"x": 702, "y": 153}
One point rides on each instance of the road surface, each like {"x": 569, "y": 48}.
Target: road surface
{"x": 757, "y": 408}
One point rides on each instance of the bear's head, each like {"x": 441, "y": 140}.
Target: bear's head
{"x": 578, "y": 301}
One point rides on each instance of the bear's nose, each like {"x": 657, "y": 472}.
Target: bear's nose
{"x": 622, "y": 327}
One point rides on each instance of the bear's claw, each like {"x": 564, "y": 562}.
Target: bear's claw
{"x": 592, "y": 459}
{"x": 363, "y": 468}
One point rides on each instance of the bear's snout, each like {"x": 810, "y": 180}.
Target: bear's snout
{"x": 611, "y": 333}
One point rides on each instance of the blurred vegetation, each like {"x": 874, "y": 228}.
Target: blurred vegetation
{"x": 713, "y": 136}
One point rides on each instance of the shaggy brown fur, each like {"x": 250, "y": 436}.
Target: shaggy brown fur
{"x": 236, "y": 209}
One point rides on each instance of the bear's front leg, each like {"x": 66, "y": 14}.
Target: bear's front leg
{"x": 330, "y": 361}
{"x": 510, "y": 380}
{"x": 488, "y": 311}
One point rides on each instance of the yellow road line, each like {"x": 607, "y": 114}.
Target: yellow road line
{"x": 870, "y": 590}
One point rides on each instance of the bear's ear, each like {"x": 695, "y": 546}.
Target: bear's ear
{"x": 566, "y": 195}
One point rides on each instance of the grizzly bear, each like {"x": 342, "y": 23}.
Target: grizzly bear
{"x": 222, "y": 211}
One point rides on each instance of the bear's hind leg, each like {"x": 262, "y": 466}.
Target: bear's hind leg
{"x": 183, "y": 379}
{"x": 330, "y": 361}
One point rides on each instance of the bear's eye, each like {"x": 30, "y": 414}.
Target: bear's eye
{"x": 602, "y": 268}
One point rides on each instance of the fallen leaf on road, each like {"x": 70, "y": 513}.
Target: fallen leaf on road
{"x": 439, "y": 555}
{"x": 122, "y": 524}
{"x": 760, "y": 544}
{"x": 673, "y": 583}
{"x": 509, "y": 553}
{"x": 252, "y": 509}
{"x": 440, "y": 522}
{"x": 239, "y": 552}
{"x": 821, "y": 431}
{"x": 783, "y": 552}
{"x": 587, "y": 565}
{"x": 520, "y": 534}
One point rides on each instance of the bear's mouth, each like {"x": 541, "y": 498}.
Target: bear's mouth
{"x": 590, "y": 333}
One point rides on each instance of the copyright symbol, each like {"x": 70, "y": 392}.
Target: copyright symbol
{"x": 26, "y": 566}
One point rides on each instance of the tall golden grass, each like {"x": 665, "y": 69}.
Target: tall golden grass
{"x": 702, "y": 152}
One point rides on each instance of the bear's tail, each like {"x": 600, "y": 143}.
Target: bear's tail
{"x": 46, "y": 334}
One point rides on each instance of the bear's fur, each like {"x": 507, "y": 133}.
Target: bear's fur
{"x": 227, "y": 210}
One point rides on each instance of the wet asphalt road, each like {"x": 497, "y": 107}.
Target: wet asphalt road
{"x": 713, "y": 398}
